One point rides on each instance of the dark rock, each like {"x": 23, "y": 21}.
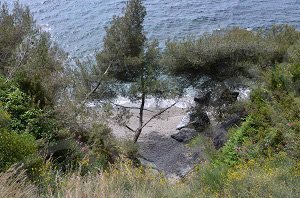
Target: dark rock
{"x": 220, "y": 137}
{"x": 203, "y": 101}
{"x": 196, "y": 119}
{"x": 228, "y": 97}
{"x": 234, "y": 120}
{"x": 221, "y": 130}
{"x": 185, "y": 135}
{"x": 199, "y": 120}
{"x": 169, "y": 156}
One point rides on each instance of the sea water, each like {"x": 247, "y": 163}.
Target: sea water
{"x": 78, "y": 26}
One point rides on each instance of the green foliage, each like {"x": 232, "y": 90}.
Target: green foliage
{"x": 294, "y": 52}
{"x": 15, "y": 148}
{"x": 41, "y": 75}
{"x": 129, "y": 149}
{"x": 14, "y": 27}
{"x": 102, "y": 145}
{"x": 224, "y": 53}
{"x": 25, "y": 116}
{"x": 261, "y": 157}
{"x": 127, "y": 57}
{"x": 124, "y": 43}
{"x": 273, "y": 123}
{"x": 276, "y": 176}
{"x": 28, "y": 56}
{"x": 4, "y": 117}
{"x": 231, "y": 152}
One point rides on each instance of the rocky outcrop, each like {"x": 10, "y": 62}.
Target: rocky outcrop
{"x": 199, "y": 120}
{"x": 221, "y": 130}
{"x": 196, "y": 120}
{"x": 167, "y": 155}
{"x": 203, "y": 101}
{"x": 185, "y": 135}
{"x": 228, "y": 97}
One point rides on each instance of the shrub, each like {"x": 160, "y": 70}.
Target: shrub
{"x": 272, "y": 176}
{"x": 4, "y": 117}
{"x": 24, "y": 115}
{"x": 15, "y": 148}
{"x": 229, "y": 52}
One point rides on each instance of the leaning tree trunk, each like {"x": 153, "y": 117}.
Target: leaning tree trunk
{"x": 139, "y": 130}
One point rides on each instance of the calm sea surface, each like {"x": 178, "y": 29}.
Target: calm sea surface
{"x": 79, "y": 25}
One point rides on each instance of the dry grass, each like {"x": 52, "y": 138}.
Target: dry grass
{"x": 122, "y": 180}
{"x": 14, "y": 184}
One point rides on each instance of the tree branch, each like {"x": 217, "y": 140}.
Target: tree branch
{"x": 97, "y": 86}
{"x": 159, "y": 113}
{"x": 128, "y": 127}
{"x": 131, "y": 107}
{"x": 19, "y": 64}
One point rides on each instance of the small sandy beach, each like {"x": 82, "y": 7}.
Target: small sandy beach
{"x": 165, "y": 124}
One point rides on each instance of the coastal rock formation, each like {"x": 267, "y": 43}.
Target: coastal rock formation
{"x": 203, "y": 101}
{"x": 194, "y": 120}
{"x": 199, "y": 120}
{"x": 169, "y": 156}
{"x": 185, "y": 135}
{"x": 221, "y": 130}
{"x": 228, "y": 97}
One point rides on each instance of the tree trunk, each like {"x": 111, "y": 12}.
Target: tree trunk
{"x": 139, "y": 130}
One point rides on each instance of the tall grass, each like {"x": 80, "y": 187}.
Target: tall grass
{"x": 14, "y": 184}
{"x": 121, "y": 180}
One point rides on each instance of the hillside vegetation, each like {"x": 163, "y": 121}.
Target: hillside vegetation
{"x": 53, "y": 145}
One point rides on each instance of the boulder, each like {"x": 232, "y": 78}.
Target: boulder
{"x": 199, "y": 120}
{"x": 203, "y": 101}
{"x": 228, "y": 97}
{"x": 185, "y": 135}
{"x": 185, "y": 121}
{"x": 221, "y": 130}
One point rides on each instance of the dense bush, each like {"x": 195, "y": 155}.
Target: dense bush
{"x": 228, "y": 53}
{"x": 28, "y": 56}
{"x": 14, "y": 27}
{"x": 261, "y": 157}
{"x": 25, "y": 116}
{"x": 15, "y": 148}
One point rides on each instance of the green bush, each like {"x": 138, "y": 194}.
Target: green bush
{"x": 273, "y": 176}
{"x": 103, "y": 145}
{"x": 224, "y": 53}
{"x": 15, "y": 148}
{"x": 14, "y": 27}
{"x": 25, "y": 116}
{"x": 261, "y": 157}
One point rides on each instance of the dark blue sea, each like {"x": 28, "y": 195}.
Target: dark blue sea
{"x": 79, "y": 25}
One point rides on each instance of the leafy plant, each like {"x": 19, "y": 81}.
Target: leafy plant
{"x": 15, "y": 148}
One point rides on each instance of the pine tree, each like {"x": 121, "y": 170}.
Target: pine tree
{"x": 128, "y": 57}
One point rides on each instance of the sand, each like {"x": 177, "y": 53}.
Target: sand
{"x": 157, "y": 149}
{"x": 165, "y": 124}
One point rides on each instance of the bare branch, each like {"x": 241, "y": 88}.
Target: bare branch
{"x": 159, "y": 113}
{"x": 128, "y": 127}
{"x": 131, "y": 107}
{"x": 97, "y": 86}
{"x": 19, "y": 64}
